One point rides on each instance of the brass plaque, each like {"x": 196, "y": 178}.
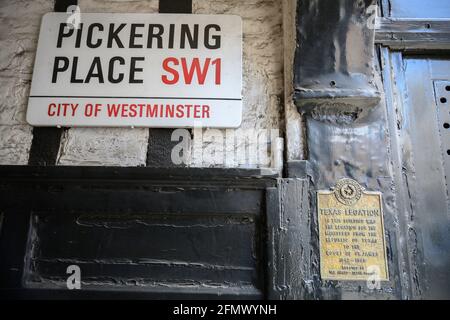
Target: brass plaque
{"x": 352, "y": 242}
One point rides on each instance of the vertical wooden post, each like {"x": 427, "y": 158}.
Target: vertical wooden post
{"x": 159, "y": 142}
{"x": 46, "y": 140}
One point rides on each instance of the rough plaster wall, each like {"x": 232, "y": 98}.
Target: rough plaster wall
{"x": 295, "y": 149}
{"x": 107, "y": 146}
{"x": 125, "y": 6}
{"x": 103, "y": 146}
{"x": 263, "y": 90}
{"x": 19, "y": 20}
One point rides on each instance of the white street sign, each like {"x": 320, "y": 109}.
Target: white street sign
{"x": 142, "y": 70}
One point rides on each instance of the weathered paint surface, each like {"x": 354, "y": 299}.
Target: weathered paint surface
{"x": 333, "y": 68}
{"x": 103, "y": 146}
{"x": 354, "y": 151}
{"x": 336, "y": 87}
{"x": 413, "y": 35}
{"x": 289, "y": 246}
{"x": 294, "y": 122}
{"x": 263, "y": 89}
{"x": 155, "y": 232}
{"x": 388, "y": 151}
{"x": 20, "y": 22}
{"x": 423, "y": 132}
{"x": 129, "y": 6}
{"x": 15, "y": 144}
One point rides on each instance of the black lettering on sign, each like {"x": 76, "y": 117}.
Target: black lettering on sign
{"x": 134, "y": 35}
{"x": 95, "y": 71}
{"x": 115, "y": 73}
{"x": 89, "y": 42}
{"x": 114, "y": 35}
{"x": 152, "y": 34}
{"x": 186, "y": 34}
{"x": 216, "y": 37}
{"x": 133, "y": 69}
{"x": 139, "y": 35}
{"x": 73, "y": 75}
{"x": 57, "y": 67}
{"x": 111, "y": 68}
{"x": 64, "y": 32}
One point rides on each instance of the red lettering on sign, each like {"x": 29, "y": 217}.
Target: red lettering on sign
{"x": 141, "y": 110}
{"x": 174, "y": 72}
{"x": 194, "y": 69}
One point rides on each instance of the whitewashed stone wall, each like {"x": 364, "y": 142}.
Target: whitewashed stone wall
{"x": 262, "y": 68}
{"x": 19, "y": 28}
{"x": 295, "y": 131}
{"x": 263, "y": 87}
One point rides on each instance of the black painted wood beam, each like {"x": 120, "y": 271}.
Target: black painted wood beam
{"x": 159, "y": 144}
{"x": 175, "y": 6}
{"x": 46, "y": 140}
